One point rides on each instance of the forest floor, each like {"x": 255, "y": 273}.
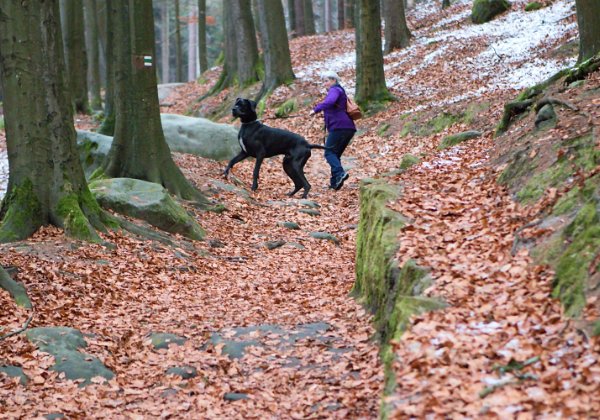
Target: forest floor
{"x": 306, "y": 347}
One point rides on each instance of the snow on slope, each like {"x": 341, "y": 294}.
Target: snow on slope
{"x": 3, "y": 173}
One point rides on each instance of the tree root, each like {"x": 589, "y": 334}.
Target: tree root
{"x": 581, "y": 71}
{"x": 554, "y": 101}
{"x": 18, "y": 292}
{"x": 512, "y": 110}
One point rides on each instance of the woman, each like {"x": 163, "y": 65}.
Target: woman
{"x": 340, "y": 126}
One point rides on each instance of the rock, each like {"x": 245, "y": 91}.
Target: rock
{"x": 295, "y": 245}
{"x": 235, "y": 396}
{"x": 576, "y": 84}
{"x": 534, "y": 5}
{"x": 54, "y": 416}
{"x": 455, "y": 139}
{"x": 163, "y": 340}
{"x": 200, "y": 137}
{"x": 231, "y": 348}
{"x": 147, "y": 201}
{"x": 325, "y": 236}
{"x": 408, "y": 161}
{"x": 274, "y": 244}
{"x": 290, "y": 225}
{"x": 546, "y": 117}
{"x": 64, "y": 344}
{"x": 15, "y": 372}
{"x": 15, "y": 289}
{"x": 93, "y": 148}
{"x": 165, "y": 90}
{"x": 215, "y": 243}
{"x": 312, "y": 212}
{"x": 309, "y": 203}
{"x": 485, "y": 10}
{"x": 169, "y": 392}
{"x": 186, "y": 372}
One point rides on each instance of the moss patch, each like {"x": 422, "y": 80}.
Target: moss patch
{"x": 285, "y": 109}
{"x": 408, "y": 161}
{"x": 23, "y": 213}
{"x": 534, "y": 5}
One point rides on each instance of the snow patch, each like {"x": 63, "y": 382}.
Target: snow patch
{"x": 3, "y": 173}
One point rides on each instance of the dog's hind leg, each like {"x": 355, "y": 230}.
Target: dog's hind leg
{"x": 298, "y": 165}
{"x": 289, "y": 170}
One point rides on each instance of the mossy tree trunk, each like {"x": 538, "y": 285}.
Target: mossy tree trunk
{"x": 309, "y": 18}
{"x": 370, "y": 78}
{"x": 75, "y": 54}
{"x": 299, "y": 28}
{"x": 93, "y": 53}
{"x": 397, "y": 34}
{"x": 139, "y": 149}
{"x": 278, "y": 63}
{"x": 178, "y": 46}
{"x": 445, "y": 4}
{"x": 165, "y": 51}
{"x": 291, "y": 9}
{"x": 108, "y": 125}
{"x": 202, "y": 51}
{"x": 588, "y": 19}
{"x": 46, "y": 182}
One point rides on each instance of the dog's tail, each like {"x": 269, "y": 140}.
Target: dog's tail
{"x": 318, "y": 146}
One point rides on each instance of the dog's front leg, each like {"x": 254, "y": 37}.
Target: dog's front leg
{"x": 241, "y": 156}
{"x": 256, "y": 172}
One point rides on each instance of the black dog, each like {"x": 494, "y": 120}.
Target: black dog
{"x": 259, "y": 141}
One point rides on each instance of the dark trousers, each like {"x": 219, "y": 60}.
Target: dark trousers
{"x": 337, "y": 140}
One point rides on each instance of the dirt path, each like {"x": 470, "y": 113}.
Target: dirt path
{"x": 501, "y": 313}
{"x": 267, "y": 332}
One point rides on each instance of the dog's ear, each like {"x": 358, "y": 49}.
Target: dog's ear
{"x": 252, "y": 105}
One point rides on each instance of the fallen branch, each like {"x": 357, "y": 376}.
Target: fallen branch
{"x": 18, "y": 292}
{"x": 20, "y": 330}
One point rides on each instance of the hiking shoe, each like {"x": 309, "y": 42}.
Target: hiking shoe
{"x": 340, "y": 182}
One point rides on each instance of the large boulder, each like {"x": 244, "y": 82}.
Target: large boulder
{"x": 147, "y": 201}
{"x": 485, "y": 10}
{"x": 64, "y": 344}
{"x": 93, "y": 148}
{"x": 199, "y": 136}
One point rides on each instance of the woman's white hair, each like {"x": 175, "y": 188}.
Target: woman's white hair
{"x": 330, "y": 75}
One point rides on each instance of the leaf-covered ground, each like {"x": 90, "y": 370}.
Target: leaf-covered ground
{"x": 307, "y": 346}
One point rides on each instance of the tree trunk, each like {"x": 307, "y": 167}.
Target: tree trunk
{"x": 139, "y": 149}
{"x": 309, "y": 18}
{"x": 202, "y": 50}
{"x": 75, "y": 56}
{"x": 397, "y": 35}
{"x": 247, "y": 48}
{"x": 46, "y": 182}
{"x": 328, "y": 5}
{"x": 108, "y": 125}
{"x": 164, "y": 45}
{"x": 192, "y": 41}
{"x": 178, "y": 47}
{"x": 291, "y": 9}
{"x": 445, "y": 4}
{"x": 588, "y": 13}
{"x": 350, "y": 13}
{"x": 278, "y": 63}
{"x": 93, "y": 54}
{"x": 370, "y": 78}
{"x": 340, "y": 14}
{"x": 300, "y": 18}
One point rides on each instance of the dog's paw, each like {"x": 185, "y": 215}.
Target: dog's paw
{"x": 254, "y": 187}
{"x": 225, "y": 174}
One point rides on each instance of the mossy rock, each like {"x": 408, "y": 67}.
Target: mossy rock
{"x": 271, "y": 245}
{"x": 286, "y": 108}
{"x": 15, "y": 372}
{"x": 235, "y": 396}
{"x": 290, "y": 225}
{"x": 64, "y": 344}
{"x": 408, "y": 161}
{"x": 546, "y": 117}
{"x": 455, "y": 139}
{"x": 93, "y": 149}
{"x": 161, "y": 340}
{"x": 185, "y": 372}
{"x": 534, "y": 5}
{"x": 200, "y": 137}
{"x": 309, "y": 203}
{"x": 485, "y": 10}
{"x": 231, "y": 348}
{"x": 325, "y": 236}
{"x": 15, "y": 289}
{"x": 147, "y": 201}
{"x": 312, "y": 212}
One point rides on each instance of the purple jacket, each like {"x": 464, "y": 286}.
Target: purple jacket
{"x": 334, "y": 110}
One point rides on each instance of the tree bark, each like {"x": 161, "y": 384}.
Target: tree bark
{"x": 278, "y": 63}
{"x": 291, "y": 9}
{"x": 397, "y": 34}
{"x": 300, "y": 18}
{"x": 192, "y": 41}
{"x": 46, "y": 182}
{"x": 370, "y": 78}
{"x": 340, "y": 14}
{"x": 139, "y": 149}
{"x": 588, "y": 15}
{"x": 328, "y": 5}
{"x": 202, "y": 50}
{"x": 350, "y": 13}
{"x": 164, "y": 45}
{"x": 309, "y": 18}
{"x": 178, "y": 47}
{"x": 108, "y": 125}
{"x": 75, "y": 56}
{"x": 445, "y": 4}
{"x": 93, "y": 54}
{"x": 247, "y": 48}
